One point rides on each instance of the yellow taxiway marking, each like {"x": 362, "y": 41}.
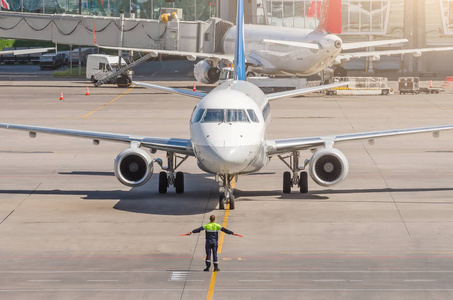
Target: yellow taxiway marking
{"x": 99, "y": 108}
{"x": 221, "y": 238}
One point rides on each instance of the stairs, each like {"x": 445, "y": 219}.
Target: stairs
{"x": 108, "y": 76}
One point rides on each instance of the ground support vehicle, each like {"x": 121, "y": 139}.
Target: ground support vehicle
{"x": 361, "y": 86}
{"x": 409, "y": 85}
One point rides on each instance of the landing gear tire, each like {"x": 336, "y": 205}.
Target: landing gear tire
{"x": 287, "y": 182}
{"x": 221, "y": 202}
{"x": 179, "y": 182}
{"x": 231, "y": 202}
{"x": 123, "y": 81}
{"x": 163, "y": 182}
{"x": 303, "y": 182}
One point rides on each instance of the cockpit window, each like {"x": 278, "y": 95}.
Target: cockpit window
{"x": 214, "y": 115}
{"x": 198, "y": 116}
{"x": 252, "y": 115}
{"x": 236, "y": 115}
{"x": 223, "y": 115}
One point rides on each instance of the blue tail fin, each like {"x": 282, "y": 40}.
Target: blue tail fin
{"x": 239, "y": 56}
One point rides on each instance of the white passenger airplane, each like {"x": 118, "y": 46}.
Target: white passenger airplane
{"x": 288, "y": 51}
{"x": 26, "y": 51}
{"x": 228, "y": 138}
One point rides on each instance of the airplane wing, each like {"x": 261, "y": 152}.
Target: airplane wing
{"x": 345, "y": 46}
{"x": 182, "y": 146}
{"x": 26, "y": 51}
{"x": 377, "y": 54}
{"x": 318, "y": 88}
{"x": 198, "y": 95}
{"x": 190, "y": 55}
{"x": 357, "y": 45}
{"x": 288, "y": 145}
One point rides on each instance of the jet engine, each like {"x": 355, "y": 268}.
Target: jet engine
{"x": 133, "y": 167}
{"x": 328, "y": 167}
{"x": 205, "y": 73}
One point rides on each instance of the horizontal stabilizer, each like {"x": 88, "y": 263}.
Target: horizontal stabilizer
{"x": 295, "y": 44}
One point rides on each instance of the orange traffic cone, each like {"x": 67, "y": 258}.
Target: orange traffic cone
{"x": 61, "y": 95}
{"x": 88, "y": 92}
{"x": 194, "y": 87}
{"x": 430, "y": 83}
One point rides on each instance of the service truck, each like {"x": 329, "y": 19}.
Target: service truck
{"x": 100, "y": 66}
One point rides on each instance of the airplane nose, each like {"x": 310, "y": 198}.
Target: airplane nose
{"x": 231, "y": 158}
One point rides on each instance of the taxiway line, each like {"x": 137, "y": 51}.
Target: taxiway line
{"x": 101, "y": 107}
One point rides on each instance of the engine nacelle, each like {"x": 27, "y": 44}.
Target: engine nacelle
{"x": 133, "y": 167}
{"x": 205, "y": 73}
{"x": 328, "y": 167}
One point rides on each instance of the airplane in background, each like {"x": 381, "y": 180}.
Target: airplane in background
{"x": 276, "y": 50}
{"x": 26, "y": 51}
{"x": 228, "y": 138}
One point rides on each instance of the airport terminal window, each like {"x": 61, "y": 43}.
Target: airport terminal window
{"x": 365, "y": 16}
{"x": 446, "y": 7}
{"x": 252, "y": 115}
{"x": 359, "y": 16}
{"x": 236, "y": 115}
{"x": 144, "y": 9}
{"x": 214, "y": 115}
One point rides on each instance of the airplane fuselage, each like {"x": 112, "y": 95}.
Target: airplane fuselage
{"x": 228, "y": 129}
{"x": 285, "y": 59}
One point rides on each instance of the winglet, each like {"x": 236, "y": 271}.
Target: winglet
{"x": 239, "y": 56}
{"x": 331, "y": 20}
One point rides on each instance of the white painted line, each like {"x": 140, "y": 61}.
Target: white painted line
{"x": 355, "y": 280}
{"x": 420, "y": 280}
{"x": 329, "y": 280}
{"x": 102, "y": 280}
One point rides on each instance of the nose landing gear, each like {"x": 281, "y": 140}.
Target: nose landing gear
{"x": 225, "y": 187}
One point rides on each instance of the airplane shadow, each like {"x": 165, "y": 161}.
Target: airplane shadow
{"x": 146, "y": 199}
{"x": 324, "y": 194}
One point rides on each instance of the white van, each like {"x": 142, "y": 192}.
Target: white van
{"x": 101, "y": 63}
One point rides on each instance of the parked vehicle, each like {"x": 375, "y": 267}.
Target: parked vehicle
{"x": 74, "y": 55}
{"x": 106, "y": 64}
{"x": 51, "y": 60}
{"x": 409, "y": 85}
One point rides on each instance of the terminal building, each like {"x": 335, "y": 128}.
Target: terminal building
{"x": 425, "y": 23}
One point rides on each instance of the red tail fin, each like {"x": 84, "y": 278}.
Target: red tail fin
{"x": 331, "y": 17}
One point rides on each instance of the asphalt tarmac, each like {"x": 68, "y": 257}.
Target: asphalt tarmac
{"x": 70, "y": 230}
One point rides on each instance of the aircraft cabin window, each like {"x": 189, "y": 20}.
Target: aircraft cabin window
{"x": 252, "y": 115}
{"x": 236, "y": 115}
{"x": 214, "y": 115}
{"x": 198, "y": 116}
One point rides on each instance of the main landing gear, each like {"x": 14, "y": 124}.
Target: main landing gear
{"x": 167, "y": 177}
{"x": 227, "y": 197}
{"x": 292, "y": 161}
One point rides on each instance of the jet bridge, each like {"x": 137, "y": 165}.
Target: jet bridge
{"x": 193, "y": 36}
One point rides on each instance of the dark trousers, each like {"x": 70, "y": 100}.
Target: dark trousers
{"x": 211, "y": 248}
